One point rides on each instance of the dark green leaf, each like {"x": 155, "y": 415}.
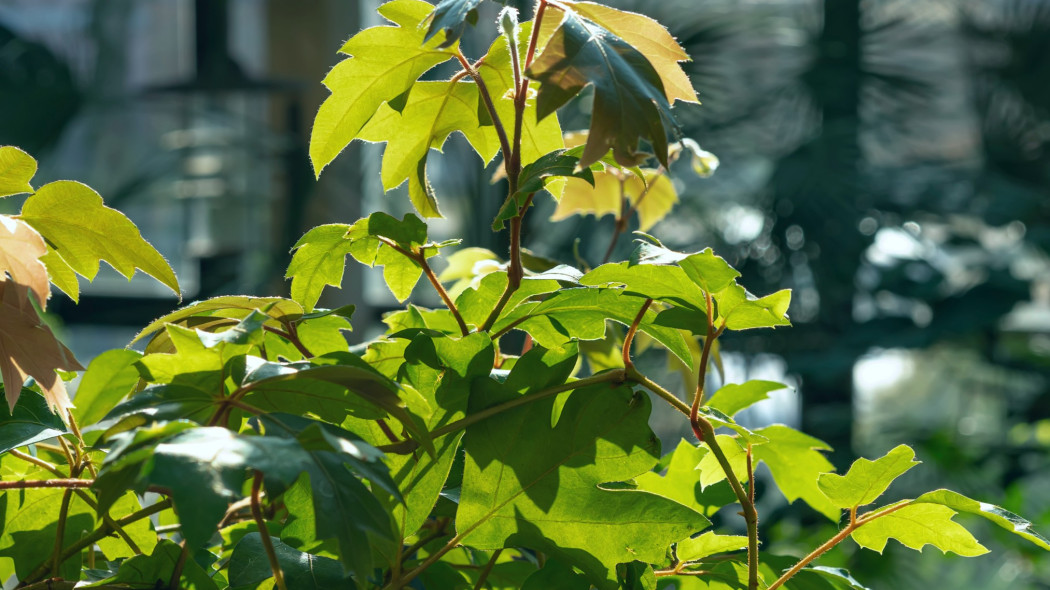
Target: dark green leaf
{"x": 629, "y": 100}
{"x": 451, "y": 16}
{"x": 542, "y": 485}
{"x": 155, "y": 570}
{"x": 32, "y": 421}
{"x": 559, "y": 163}
{"x": 250, "y": 566}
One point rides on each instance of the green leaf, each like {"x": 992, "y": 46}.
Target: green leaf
{"x": 452, "y": 16}
{"x": 681, "y": 483}
{"x": 542, "y": 485}
{"x": 839, "y": 575}
{"x": 556, "y": 575}
{"x": 83, "y": 231}
{"x": 30, "y": 526}
{"x": 1004, "y": 518}
{"x": 399, "y": 272}
{"x": 652, "y": 198}
{"x": 385, "y": 63}
{"x": 433, "y": 112}
{"x": 651, "y": 39}
{"x": 248, "y": 331}
{"x": 711, "y": 470}
{"x": 109, "y": 378}
{"x": 866, "y": 479}
{"x": 918, "y": 525}
{"x": 741, "y": 311}
{"x": 250, "y": 566}
{"x": 709, "y": 544}
{"x": 156, "y": 570}
{"x": 735, "y": 397}
{"x": 580, "y": 313}
{"x": 407, "y": 232}
{"x": 61, "y": 274}
{"x": 476, "y": 303}
{"x": 711, "y": 273}
{"x": 559, "y": 163}
{"x": 795, "y": 461}
{"x": 669, "y": 284}
{"x": 629, "y": 100}
{"x": 140, "y": 532}
{"x": 318, "y": 260}
{"x": 235, "y": 307}
{"x": 31, "y": 421}
{"x": 604, "y": 196}
{"x": 192, "y": 364}
{"x": 17, "y": 168}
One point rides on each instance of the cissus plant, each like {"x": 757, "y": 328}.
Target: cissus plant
{"x": 247, "y": 445}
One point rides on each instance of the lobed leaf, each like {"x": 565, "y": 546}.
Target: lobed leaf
{"x": 385, "y": 63}
{"x": 235, "y": 307}
{"x": 629, "y": 100}
{"x": 28, "y": 348}
{"x": 17, "y": 168}
{"x": 21, "y": 249}
{"x": 709, "y": 544}
{"x": 146, "y": 571}
{"x": 83, "y": 232}
{"x": 250, "y": 566}
{"x": 796, "y": 461}
{"x": 1004, "y": 518}
{"x": 109, "y": 378}
{"x": 735, "y": 397}
{"x": 452, "y": 17}
{"x": 866, "y": 480}
{"x": 681, "y": 482}
{"x": 918, "y": 525}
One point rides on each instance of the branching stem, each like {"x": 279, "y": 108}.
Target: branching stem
{"x": 484, "y": 575}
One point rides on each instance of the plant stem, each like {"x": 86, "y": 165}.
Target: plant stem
{"x": 84, "y": 496}
{"x": 629, "y": 338}
{"x": 621, "y": 222}
{"x": 854, "y": 524}
{"x": 705, "y": 355}
{"x": 488, "y": 569}
{"x": 101, "y": 533}
{"x": 173, "y": 584}
{"x": 706, "y": 432}
{"x": 442, "y": 293}
{"x": 429, "y": 561}
{"x": 408, "y": 446}
{"x": 290, "y": 335}
{"x": 46, "y": 483}
{"x": 515, "y": 271}
{"x": 636, "y": 376}
{"x": 437, "y": 534}
{"x": 60, "y": 532}
{"x": 486, "y": 97}
{"x": 271, "y": 555}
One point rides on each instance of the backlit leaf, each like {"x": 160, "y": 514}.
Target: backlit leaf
{"x": 109, "y": 378}
{"x": 916, "y": 526}
{"x": 602, "y": 197}
{"x": 31, "y": 525}
{"x": 709, "y": 544}
{"x": 433, "y": 112}
{"x": 1004, "y": 518}
{"x": 17, "y": 168}
{"x": 318, "y": 260}
{"x": 542, "y": 486}
{"x": 558, "y": 163}
{"x": 681, "y": 483}
{"x": 629, "y": 100}
{"x": 28, "y": 348}
{"x": 385, "y": 63}
{"x": 866, "y": 480}
{"x": 83, "y": 231}
{"x": 651, "y": 39}
{"x": 734, "y": 397}
{"x": 795, "y": 461}
{"x": 711, "y": 470}
{"x": 21, "y": 248}
{"x": 236, "y": 307}
{"x": 147, "y": 571}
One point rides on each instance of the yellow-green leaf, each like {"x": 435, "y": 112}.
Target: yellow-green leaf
{"x": 867, "y": 479}
{"x": 916, "y": 526}
{"x": 385, "y": 63}
{"x": 74, "y": 220}
{"x": 17, "y": 168}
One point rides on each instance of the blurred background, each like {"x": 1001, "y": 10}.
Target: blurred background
{"x": 887, "y": 160}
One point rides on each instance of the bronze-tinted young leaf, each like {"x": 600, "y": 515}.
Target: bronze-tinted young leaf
{"x": 629, "y": 100}
{"x": 28, "y": 348}
{"x": 20, "y": 250}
